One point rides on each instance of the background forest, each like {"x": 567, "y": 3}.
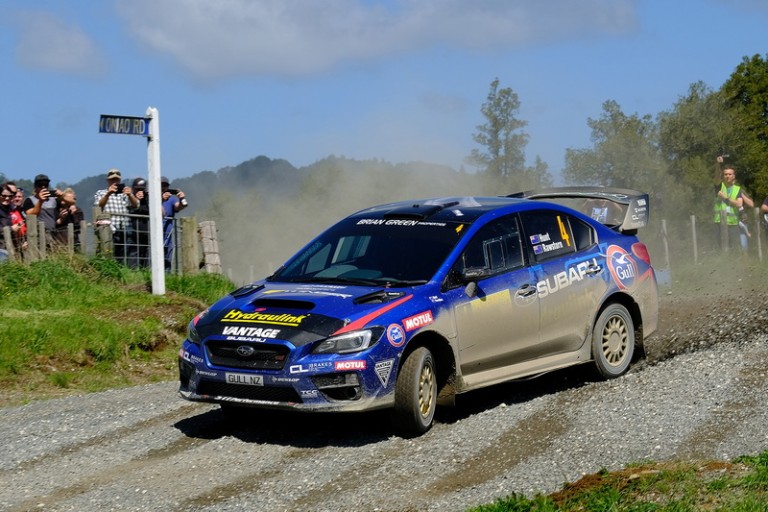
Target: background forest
{"x": 267, "y": 209}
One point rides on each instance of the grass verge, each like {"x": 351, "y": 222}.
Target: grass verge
{"x": 737, "y": 486}
{"x": 74, "y": 324}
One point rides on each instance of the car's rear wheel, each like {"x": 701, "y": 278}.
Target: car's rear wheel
{"x": 613, "y": 341}
{"x": 415, "y": 393}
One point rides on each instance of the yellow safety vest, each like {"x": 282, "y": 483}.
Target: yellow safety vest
{"x": 731, "y": 214}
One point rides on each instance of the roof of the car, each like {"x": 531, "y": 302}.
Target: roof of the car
{"x": 461, "y": 209}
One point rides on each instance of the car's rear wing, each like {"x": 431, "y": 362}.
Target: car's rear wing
{"x": 620, "y": 209}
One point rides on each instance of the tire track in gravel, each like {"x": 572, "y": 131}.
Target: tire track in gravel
{"x": 102, "y": 439}
{"x": 533, "y": 435}
{"x": 725, "y": 421}
{"x": 207, "y": 431}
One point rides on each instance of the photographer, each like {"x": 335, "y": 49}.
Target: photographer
{"x": 173, "y": 201}
{"x": 115, "y": 200}
{"x": 69, "y": 213}
{"x": 43, "y": 204}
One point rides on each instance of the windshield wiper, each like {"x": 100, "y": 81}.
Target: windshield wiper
{"x": 401, "y": 282}
{"x": 342, "y": 280}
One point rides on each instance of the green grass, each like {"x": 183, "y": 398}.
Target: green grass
{"x": 737, "y": 486}
{"x": 86, "y": 324}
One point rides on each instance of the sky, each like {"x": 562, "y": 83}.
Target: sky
{"x": 300, "y": 80}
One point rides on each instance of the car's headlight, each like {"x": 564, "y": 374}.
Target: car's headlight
{"x": 192, "y": 334}
{"x": 354, "y": 341}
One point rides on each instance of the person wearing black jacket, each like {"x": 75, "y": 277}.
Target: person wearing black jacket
{"x": 140, "y": 219}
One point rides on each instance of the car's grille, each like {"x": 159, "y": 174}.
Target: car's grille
{"x": 256, "y": 357}
{"x": 272, "y": 394}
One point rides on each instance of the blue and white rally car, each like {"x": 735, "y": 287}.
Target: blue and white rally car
{"x": 407, "y": 304}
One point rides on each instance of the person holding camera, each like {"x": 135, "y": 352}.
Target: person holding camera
{"x": 43, "y": 203}
{"x": 69, "y": 213}
{"x": 174, "y": 201}
{"x": 115, "y": 200}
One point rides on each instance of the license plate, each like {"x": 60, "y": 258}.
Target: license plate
{"x": 244, "y": 379}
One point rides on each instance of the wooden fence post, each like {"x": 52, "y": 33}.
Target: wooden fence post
{"x": 211, "y": 259}
{"x": 190, "y": 248}
{"x": 33, "y": 249}
{"x": 8, "y": 238}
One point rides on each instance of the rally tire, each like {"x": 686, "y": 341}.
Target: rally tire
{"x": 613, "y": 341}
{"x": 415, "y": 393}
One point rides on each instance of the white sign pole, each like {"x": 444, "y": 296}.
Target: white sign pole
{"x": 157, "y": 250}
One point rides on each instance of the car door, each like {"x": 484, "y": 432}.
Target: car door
{"x": 499, "y": 320}
{"x": 570, "y": 277}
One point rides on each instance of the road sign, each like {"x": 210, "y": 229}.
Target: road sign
{"x": 124, "y": 125}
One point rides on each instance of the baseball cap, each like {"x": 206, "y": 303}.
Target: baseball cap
{"x": 139, "y": 183}
{"x": 41, "y": 180}
{"x": 165, "y": 180}
{"x": 114, "y": 173}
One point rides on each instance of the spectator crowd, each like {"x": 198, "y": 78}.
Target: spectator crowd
{"x": 125, "y": 209}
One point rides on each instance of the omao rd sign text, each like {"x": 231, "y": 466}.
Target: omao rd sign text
{"x": 124, "y": 125}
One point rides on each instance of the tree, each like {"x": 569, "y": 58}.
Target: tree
{"x": 502, "y": 157}
{"x": 746, "y": 93}
{"x": 624, "y": 153}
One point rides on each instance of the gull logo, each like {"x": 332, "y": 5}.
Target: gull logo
{"x": 245, "y": 350}
{"x": 622, "y": 266}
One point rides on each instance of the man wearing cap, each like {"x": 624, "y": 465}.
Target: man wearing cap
{"x": 43, "y": 204}
{"x": 115, "y": 200}
{"x": 173, "y": 201}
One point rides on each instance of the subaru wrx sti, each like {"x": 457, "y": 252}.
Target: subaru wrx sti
{"x": 405, "y": 305}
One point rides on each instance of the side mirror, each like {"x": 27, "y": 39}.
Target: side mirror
{"x": 471, "y": 276}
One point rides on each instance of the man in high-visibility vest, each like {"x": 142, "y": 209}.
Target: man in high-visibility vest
{"x": 727, "y": 205}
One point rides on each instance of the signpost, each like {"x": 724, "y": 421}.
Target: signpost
{"x": 124, "y": 125}
{"x": 149, "y": 127}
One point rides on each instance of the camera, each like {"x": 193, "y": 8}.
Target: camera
{"x": 172, "y": 191}
{"x": 120, "y": 188}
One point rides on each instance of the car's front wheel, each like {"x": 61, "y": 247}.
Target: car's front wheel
{"x": 415, "y": 393}
{"x": 613, "y": 341}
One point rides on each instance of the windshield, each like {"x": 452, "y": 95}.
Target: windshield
{"x": 374, "y": 252}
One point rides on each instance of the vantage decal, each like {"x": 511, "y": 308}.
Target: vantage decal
{"x": 250, "y": 332}
{"x": 383, "y": 370}
{"x": 622, "y": 266}
{"x": 565, "y": 278}
{"x": 261, "y": 317}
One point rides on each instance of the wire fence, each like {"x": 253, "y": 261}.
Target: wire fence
{"x": 187, "y": 246}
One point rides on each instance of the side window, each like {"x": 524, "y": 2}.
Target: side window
{"x": 583, "y": 234}
{"x": 496, "y": 248}
{"x": 548, "y": 233}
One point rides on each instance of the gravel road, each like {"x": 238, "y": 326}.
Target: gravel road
{"x": 702, "y": 394}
